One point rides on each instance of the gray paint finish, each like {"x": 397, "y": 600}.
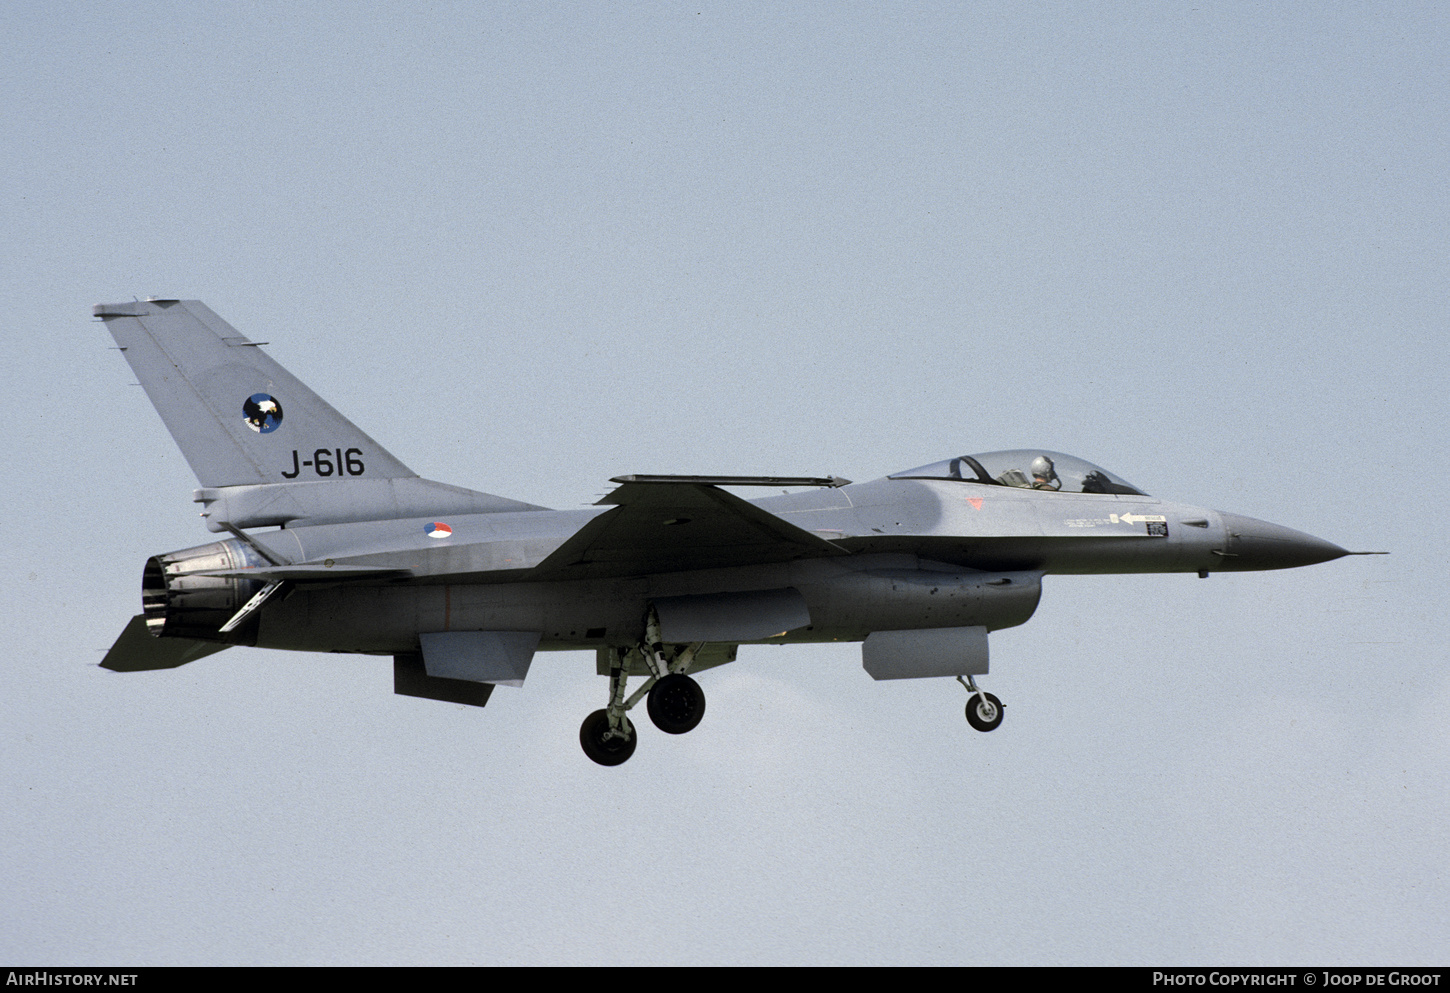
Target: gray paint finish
{"x": 664, "y": 569}
{"x": 923, "y": 653}
{"x": 500, "y": 657}
{"x": 732, "y": 617}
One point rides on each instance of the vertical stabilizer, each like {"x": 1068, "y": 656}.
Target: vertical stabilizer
{"x": 237, "y": 416}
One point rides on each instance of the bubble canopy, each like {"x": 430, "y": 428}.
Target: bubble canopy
{"x": 1026, "y": 468}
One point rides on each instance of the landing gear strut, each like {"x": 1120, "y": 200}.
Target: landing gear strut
{"x": 676, "y": 702}
{"x": 984, "y": 711}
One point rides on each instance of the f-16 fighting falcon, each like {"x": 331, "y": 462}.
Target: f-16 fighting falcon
{"x": 333, "y": 545}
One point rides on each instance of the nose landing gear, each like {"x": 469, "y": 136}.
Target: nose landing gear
{"x": 984, "y": 711}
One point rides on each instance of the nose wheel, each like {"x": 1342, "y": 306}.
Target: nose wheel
{"x": 984, "y": 711}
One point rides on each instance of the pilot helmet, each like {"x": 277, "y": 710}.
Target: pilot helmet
{"x": 1042, "y": 469}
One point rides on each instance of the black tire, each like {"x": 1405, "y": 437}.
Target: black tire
{"x": 676, "y": 704}
{"x": 984, "y": 712}
{"x": 612, "y": 752}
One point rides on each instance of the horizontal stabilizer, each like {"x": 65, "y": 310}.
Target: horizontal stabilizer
{"x": 673, "y": 527}
{"x": 138, "y": 651}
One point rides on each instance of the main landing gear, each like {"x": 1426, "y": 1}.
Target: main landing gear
{"x": 605, "y": 744}
{"x": 984, "y": 711}
{"x": 676, "y": 702}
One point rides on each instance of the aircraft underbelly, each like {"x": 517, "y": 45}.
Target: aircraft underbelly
{"x": 805, "y": 601}
{"x": 849, "y": 607}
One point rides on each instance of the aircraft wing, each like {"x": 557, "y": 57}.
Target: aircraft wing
{"x": 671, "y": 526}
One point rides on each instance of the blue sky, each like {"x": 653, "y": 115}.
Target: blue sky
{"x": 528, "y": 247}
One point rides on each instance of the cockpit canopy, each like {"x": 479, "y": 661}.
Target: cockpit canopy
{"x": 1026, "y": 468}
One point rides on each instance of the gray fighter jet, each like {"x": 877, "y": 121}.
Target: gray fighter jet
{"x": 665, "y": 577}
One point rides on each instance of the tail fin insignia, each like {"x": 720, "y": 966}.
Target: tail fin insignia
{"x": 263, "y": 413}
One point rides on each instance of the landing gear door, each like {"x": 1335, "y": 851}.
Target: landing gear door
{"x": 707, "y": 658}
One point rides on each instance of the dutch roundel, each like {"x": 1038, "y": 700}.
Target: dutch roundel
{"x": 437, "y": 530}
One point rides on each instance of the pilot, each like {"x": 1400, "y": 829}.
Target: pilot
{"x": 1044, "y": 474}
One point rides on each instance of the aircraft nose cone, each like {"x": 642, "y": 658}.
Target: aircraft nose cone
{"x": 1255, "y": 544}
